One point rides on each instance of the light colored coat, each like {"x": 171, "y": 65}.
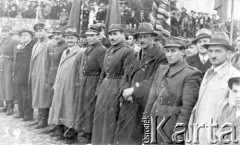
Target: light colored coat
{"x": 38, "y": 74}
{"x": 211, "y": 97}
{"x": 66, "y": 83}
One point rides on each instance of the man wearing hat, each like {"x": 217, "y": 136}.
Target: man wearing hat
{"x": 65, "y": 87}
{"x": 116, "y": 61}
{"x": 214, "y": 86}
{"x": 102, "y": 37}
{"x": 136, "y": 86}
{"x": 21, "y": 74}
{"x": 91, "y": 67}
{"x": 191, "y": 48}
{"x": 174, "y": 92}
{"x": 200, "y": 60}
{"x": 83, "y": 43}
{"x": 230, "y": 112}
{"x": 54, "y": 56}
{"x": 38, "y": 75}
{"x": 7, "y": 87}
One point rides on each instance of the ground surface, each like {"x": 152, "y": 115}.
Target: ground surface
{"x": 16, "y": 132}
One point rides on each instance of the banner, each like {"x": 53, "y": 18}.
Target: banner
{"x": 221, "y": 6}
{"x": 161, "y": 14}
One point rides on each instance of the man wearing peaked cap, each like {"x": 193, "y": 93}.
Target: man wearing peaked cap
{"x": 54, "y": 54}
{"x": 134, "y": 95}
{"x": 200, "y": 60}
{"x": 214, "y": 87}
{"x": 116, "y": 62}
{"x": 174, "y": 92}
{"x": 38, "y": 76}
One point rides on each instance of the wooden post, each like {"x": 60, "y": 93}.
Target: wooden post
{"x": 231, "y": 32}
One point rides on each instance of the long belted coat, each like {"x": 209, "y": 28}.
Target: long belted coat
{"x": 89, "y": 74}
{"x": 212, "y": 94}
{"x": 183, "y": 81}
{"x": 7, "y": 52}
{"x": 142, "y": 71}
{"x": 66, "y": 83}
{"x": 38, "y": 74}
{"x": 116, "y": 61}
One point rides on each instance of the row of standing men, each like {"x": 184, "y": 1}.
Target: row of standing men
{"x": 98, "y": 95}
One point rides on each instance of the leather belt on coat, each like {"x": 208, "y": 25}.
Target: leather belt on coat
{"x": 91, "y": 73}
{"x": 169, "y": 102}
{"x": 114, "y": 76}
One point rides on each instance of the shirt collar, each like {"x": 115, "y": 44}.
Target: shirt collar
{"x": 202, "y": 57}
{"x": 218, "y": 68}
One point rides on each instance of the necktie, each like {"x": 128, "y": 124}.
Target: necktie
{"x": 67, "y": 51}
{"x": 203, "y": 61}
{"x": 210, "y": 73}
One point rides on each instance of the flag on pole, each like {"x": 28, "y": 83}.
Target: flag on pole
{"x": 113, "y": 14}
{"x": 75, "y": 15}
{"x": 221, "y": 6}
{"x": 161, "y": 16}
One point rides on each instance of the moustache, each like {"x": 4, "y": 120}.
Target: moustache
{"x": 112, "y": 40}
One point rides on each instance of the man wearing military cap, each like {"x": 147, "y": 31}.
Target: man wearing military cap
{"x": 214, "y": 86}
{"x": 174, "y": 92}
{"x": 54, "y": 57}
{"x": 38, "y": 75}
{"x": 21, "y": 74}
{"x": 116, "y": 61}
{"x": 136, "y": 86}
{"x": 200, "y": 60}
{"x": 7, "y": 87}
{"x": 91, "y": 68}
{"x": 66, "y": 83}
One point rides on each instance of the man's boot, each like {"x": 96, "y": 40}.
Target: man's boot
{"x": 44, "y": 119}
{"x": 10, "y": 105}
{"x": 20, "y": 109}
{"x": 1, "y": 104}
{"x": 28, "y": 114}
{"x": 38, "y": 118}
{"x": 50, "y": 130}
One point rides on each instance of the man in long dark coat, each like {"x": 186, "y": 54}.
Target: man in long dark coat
{"x": 90, "y": 70}
{"x": 54, "y": 57}
{"x": 200, "y": 60}
{"x": 38, "y": 75}
{"x": 174, "y": 93}
{"x": 7, "y": 47}
{"x": 136, "y": 87}
{"x": 116, "y": 61}
{"x": 21, "y": 74}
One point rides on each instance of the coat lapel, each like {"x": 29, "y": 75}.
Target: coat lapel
{"x": 71, "y": 53}
{"x": 37, "y": 50}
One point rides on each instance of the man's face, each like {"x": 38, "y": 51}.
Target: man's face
{"x": 173, "y": 54}
{"x": 5, "y": 34}
{"x": 83, "y": 41}
{"x": 131, "y": 40}
{"x": 116, "y": 37}
{"x": 191, "y": 50}
{"x": 41, "y": 33}
{"x": 200, "y": 44}
{"x": 71, "y": 40}
{"x": 218, "y": 54}
{"x": 58, "y": 37}
{"x": 145, "y": 40}
{"x": 92, "y": 38}
{"x": 235, "y": 93}
{"x": 26, "y": 37}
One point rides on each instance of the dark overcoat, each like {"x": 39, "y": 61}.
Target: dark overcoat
{"x": 89, "y": 74}
{"x": 54, "y": 57}
{"x": 7, "y": 50}
{"x": 142, "y": 71}
{"x": 115, "y": 64}
{"x": 22, "y": 63}
{"x": 184, "y": 82}
{"x": 195, "y": 61}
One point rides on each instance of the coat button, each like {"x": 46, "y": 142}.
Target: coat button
{"x": 162, "y": 85}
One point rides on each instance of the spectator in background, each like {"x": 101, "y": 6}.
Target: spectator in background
{"x": 133, "y": 20}
{"x": 13, "y": 12}
{"x": 191, "y": 49}
{"x": 85, "y": 18}
{"x": 132, "y": 43}
{"x": 183, "y": 14}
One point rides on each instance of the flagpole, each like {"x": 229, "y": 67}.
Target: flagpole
{"x": 231, "y": 31}
{"x": 80, "y": 17}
